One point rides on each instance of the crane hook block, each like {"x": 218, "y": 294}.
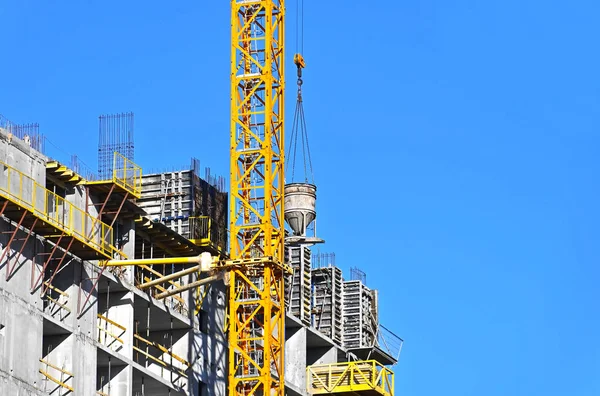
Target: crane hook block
{"x": 299, "y": 61}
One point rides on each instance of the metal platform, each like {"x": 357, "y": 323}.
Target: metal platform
{"x": 126, "y": 178}
{"x": 32, "y": 206}
{"x": 368, "y": 378}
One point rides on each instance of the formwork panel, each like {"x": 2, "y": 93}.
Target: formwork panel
{"x": 327, "y": 301}
{"x": 298, "y": 296}
{"x": 360, "y": 315}
{"x": 188, "y": 204}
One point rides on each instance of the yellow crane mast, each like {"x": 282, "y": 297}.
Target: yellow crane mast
{"x": 256, "y": 273}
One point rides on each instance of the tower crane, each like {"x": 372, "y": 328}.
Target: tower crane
{"x": 255, "y": 269}
{"x": 256, "y": 275}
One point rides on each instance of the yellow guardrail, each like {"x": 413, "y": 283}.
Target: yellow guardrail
{"x": 110, "y": 329}
{"x": 184, "y": 364}
{"x": 202, "y": 233}
{"x": 200, "y": 230}
{"x": 60, "y": 382}
{"x": 127, "y": 174}
{"x": 344, "y": 377}
{"x": 24, "y": 191}
{"x": 56, "y": 301}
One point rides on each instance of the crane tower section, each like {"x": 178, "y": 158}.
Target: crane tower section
{"x": 256, "y": 290}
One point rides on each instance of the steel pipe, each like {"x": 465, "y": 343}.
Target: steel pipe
{"x": 205, "y": 260}
{"x": 189, "y": 286}
{"x": 174, "y": 275}
{"x": 154, "y": 261}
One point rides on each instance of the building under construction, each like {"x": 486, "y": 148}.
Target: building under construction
{"x": 71, "y": 325}
{"x": 119, "y": 282}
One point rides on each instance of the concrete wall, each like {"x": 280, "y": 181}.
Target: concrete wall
{"x": 295, "y": 358}
{"x": 208, "y": 343}
{"x": 21, "y": 321}
{"x": 34, "y": 328}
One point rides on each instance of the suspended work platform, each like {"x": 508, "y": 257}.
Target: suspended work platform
{"x": 368, "y": 378}
{"x": 126, "y": 178}
{"x": 32, "y": 206}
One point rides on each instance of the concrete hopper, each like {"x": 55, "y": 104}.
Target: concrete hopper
{"x": 299, "y": 206}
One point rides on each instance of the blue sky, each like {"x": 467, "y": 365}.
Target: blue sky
{"x": 455, "y": 148}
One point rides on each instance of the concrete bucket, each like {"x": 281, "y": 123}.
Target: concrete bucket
{"x": 299, "y": 206}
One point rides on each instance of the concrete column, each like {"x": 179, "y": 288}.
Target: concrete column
{"x": 295, "y": 358}
{"x": 21, "y": 321}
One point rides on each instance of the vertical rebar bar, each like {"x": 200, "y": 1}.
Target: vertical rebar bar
{"x": 115, "y": 133}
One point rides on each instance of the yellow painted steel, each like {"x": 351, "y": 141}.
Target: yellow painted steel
{"x": 168, "y": 278}
{"x": 350, "y": 377}
{"x": 178, "y": 304}
{"x": 52, "y": 209}
{"x": 192, "y": 285}
{"x": 107, "y": 327}
{"x": 126, "y": 174}
{"x": 256, "y": 295}
{"x": 155, "y": 261}
{"x": 183, "y": 366}
{"x": 58, "y": 303}
{"x": 56, "y": 289}
{"x": 59, "y": 382}
{"x": 203, "y": 225}
{"x": 58, "y": 169}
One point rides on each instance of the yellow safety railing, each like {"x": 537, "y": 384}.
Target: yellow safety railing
{"x": 184, "y": 364}
{"x": 109, "y": 331}
{"x": 200, "y": 230}
{"x": 127, "y": 174}
{"x": 60, "y": 382}
{"x": 345, "y": 377}
{"x": 178, "y": 303}
{"x": 56, "y": 298}
{"x": 202, "y": 233}
{"x": 47, "y": 206}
